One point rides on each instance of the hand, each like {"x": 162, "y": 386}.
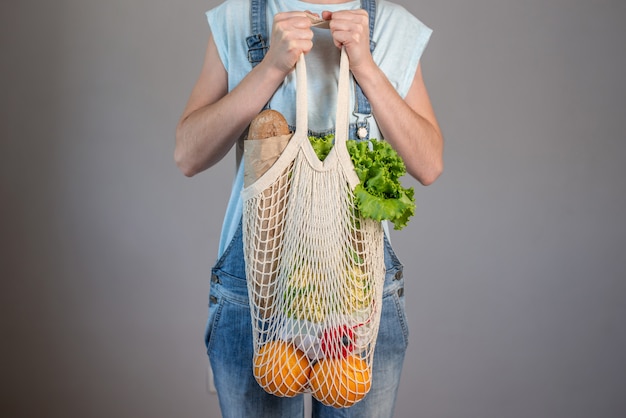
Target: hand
{"x": 291, "y": 37}
{"x": 350, "y": 29}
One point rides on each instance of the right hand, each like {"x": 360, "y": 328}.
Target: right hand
{"x": 291, "y": 37}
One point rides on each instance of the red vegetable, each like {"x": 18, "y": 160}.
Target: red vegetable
{"x": 338, "y": 342}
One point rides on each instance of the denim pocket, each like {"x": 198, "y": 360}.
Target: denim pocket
{"x": 398, "y": 298}
{"x": 393, "y": 322}
{"x": 215, "y": 308}
{"x": 230, "y": 324}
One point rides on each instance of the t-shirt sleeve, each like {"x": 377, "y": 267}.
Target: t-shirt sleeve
{"x": 401, "y": 39}
{"x": 216, "y": 19}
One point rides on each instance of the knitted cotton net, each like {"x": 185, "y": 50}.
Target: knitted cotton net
{"x": 315, "y": 268}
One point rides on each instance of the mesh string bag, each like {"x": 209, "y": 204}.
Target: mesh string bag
{"x": 314, "y": 267}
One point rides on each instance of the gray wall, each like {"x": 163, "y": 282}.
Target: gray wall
{"x": 515, "y": 260}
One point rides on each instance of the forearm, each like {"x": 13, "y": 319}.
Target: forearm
{"x": 416, "y": 137}
{"x": 205, "y": 135}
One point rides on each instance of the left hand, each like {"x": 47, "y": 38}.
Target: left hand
{"x": 350, "y": 29}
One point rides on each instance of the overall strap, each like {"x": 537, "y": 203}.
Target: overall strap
{"x": 362, "y": 106}
{"x": 258, "y": 44}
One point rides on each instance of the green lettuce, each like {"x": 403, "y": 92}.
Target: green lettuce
{"x": 380, "y": 195}
{"x": 322, "y": 145}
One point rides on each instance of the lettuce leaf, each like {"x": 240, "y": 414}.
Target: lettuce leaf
{"x": 322, "y": 145}
{"x": 397, "y": 210}
{"x": 380, "y": 195}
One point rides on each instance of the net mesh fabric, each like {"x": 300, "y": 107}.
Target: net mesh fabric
{"x": 315, "y": 286}
{"x": 315, "y": 272}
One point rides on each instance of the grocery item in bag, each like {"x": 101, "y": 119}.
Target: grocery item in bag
{"x": 268, "y": 135}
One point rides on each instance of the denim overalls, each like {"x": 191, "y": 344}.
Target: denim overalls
{"x": 229, "y": 332}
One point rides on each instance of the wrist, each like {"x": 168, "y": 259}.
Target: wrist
{"x": 270, "y": 74}
{"x": 367, "y": 73}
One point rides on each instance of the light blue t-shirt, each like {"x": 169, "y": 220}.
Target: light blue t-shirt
{"x": 400, "y": 41}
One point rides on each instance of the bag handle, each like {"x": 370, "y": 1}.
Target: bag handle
{"x": 343, "y": 98}
{"x": 339, "y": 153}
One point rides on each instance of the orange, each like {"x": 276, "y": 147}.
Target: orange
{"x": 281, "y": 368}
{"x": 340, "y": 382}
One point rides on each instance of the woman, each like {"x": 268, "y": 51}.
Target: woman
{"x": 241, "y": 75}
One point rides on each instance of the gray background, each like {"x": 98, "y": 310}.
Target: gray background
{"x": 515, "y": 259}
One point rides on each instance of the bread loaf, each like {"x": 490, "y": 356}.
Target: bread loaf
{"x": 267, "y": 124}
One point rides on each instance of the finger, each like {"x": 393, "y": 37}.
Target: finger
{"x": 357, "y": 16}
{"x": 299, "y": 20}
{"x": 311, "y": 13}
{"x": 350, "y": 35}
